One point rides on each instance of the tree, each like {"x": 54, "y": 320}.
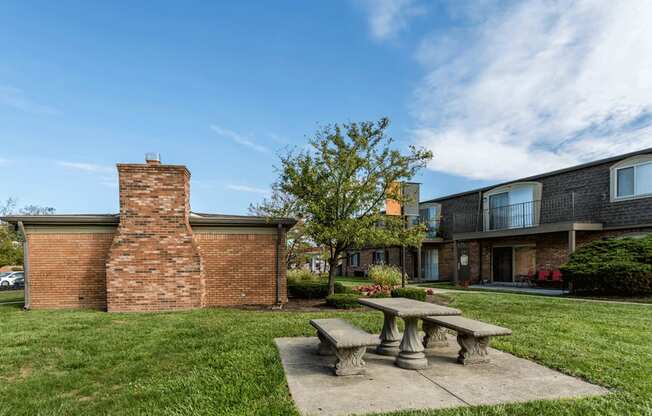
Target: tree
{"x": 340, "y": 184}
{"x": 11, "y": 248}
{"x": 282, "y": 205}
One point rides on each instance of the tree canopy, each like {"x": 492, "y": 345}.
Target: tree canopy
{"x": 339, "y": 186}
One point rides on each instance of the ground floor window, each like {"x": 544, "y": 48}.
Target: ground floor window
{"x": 430, "y": 263}
{"x": 379, "y": 257}
{"x": 354, "y": 260}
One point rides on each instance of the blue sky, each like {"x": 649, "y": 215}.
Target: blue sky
{"x": 496, "y": 89}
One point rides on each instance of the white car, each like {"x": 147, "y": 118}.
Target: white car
{"x": 8, "y": 279}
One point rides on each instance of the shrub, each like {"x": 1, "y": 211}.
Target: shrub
{"x": 312, "y": 289}
{"x": 301, "y": 275}
{"x": 410, "y": 293}
{"x": 385, "y": 275}
{"x": 343, "y": 300}
{"x": 611, "y": 267}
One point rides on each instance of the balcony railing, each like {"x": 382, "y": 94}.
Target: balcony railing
{"x": 522, "y": 215}
{"x": 433, "y": 229}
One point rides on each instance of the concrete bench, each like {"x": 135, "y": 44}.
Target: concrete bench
{"x": 346, "y": 341}
{"x": 473, "y": 336}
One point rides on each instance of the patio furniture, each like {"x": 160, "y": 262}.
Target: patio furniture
{"x": 472, "y": 336}
{"x": 543, "y": 276}
{"x": 409, "y": 349}
{"x": 346, "y": 341}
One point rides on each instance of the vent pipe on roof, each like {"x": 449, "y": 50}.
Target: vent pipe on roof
{"x": 153, "y": 158}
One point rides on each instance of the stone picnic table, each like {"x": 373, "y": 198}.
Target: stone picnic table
{"x": 408, "y": 351}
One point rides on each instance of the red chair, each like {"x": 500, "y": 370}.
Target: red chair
{"x": 543, "y": 276}
{"x": 530, "y": 278}
{"x": 556, "y": 275}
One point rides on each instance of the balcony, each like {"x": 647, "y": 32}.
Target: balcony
{"x": 433, "y": 228}
{"x": 561, "y": 209}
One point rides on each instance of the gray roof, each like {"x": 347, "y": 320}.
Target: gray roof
{"x": 197, "y": 219}
{"x": 543, "y": 175}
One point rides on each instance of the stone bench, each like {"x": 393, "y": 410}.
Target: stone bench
{"x": 473, "y": 336}
{"x": 348, "y": 342}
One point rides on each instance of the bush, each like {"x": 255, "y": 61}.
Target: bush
{"x": 301, "y": 275}
{"x": 343, "y": 301}
{"x": 312, "y": 289}
{"x": 410, "y": 293}
{"x": 611, "y": 267}
{"x": 385, "y": 275}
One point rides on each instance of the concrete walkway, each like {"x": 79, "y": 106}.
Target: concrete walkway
{"x": 445, "y": 384}
{"x": 518, "y": 289}
{"x": 570, "y": 299}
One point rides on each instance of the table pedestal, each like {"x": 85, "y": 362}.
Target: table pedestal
{"x": 390, "y": 338}
{"x": 411, "y": 354}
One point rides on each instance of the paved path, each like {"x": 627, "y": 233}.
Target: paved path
{"x": 616, "y": 302}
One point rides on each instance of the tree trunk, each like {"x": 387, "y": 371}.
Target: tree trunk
{"x": 332, "y": 264}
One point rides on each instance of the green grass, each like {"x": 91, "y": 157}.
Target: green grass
{"x": 353, "y": 281}
{"x": 12, "y": 296}
{"x": 438, "y": 285}
{"x": 224, "y": 362}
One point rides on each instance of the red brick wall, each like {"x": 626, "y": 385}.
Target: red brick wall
{"x": 239, "y": 269}
{"x": 68, "y": 270}
{"x": 153, "y": 262}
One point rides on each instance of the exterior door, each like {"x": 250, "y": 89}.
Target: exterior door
{"x": 463, "y": 269}
{"x": 430, "y": 263}
{"x": 502, "y": 264}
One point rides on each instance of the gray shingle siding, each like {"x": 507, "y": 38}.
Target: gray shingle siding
{"x": 590, "y": 186}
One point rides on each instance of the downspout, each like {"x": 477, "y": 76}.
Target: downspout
{"x": 279, "y": 234}
{"x": 21, "y": 227}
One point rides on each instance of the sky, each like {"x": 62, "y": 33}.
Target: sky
{"x": 496, "y": 89}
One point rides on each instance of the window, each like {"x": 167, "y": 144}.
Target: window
{"x": 512, "y": 206}
{"x": 354, "y": 260}
{"x": 632, "y": 178}
{"x": 430, "y": 215}
{"x": 379, "y": 257}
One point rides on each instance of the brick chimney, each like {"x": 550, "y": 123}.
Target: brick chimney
{"x": 153, "y": 263}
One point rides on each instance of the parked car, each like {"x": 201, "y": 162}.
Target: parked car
{"x": 8, "y": 279}
{"x": 19, "y": 283}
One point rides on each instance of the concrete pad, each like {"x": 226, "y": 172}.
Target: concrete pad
{"x": 445, "y": 384}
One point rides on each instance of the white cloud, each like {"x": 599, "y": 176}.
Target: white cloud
{"x": 244, "y": 188}
{"x": 18, "y": 100}
{"x": 537, "y": 86}
{"x": 86, "y": 167}
{"x": 238, "y": 138}
{"x": 388, "y": 17}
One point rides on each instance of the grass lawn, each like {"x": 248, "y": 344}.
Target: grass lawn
{"x": 224, "y": 361}
{"x": 353, "y": 281}
{"x": 12, "y": 296}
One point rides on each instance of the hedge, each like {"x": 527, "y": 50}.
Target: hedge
{"x": 312, "y": 289}
{"x": 410, "y": 293}
{"x": 611, "y": 267}
{"x": 343, "y": 300}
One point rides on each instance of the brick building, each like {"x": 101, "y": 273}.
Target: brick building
{"x": 501, "y": 233}
{"x": 154, "y": 255}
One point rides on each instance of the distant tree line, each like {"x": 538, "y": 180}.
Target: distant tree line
{"x": 11, "y": 247}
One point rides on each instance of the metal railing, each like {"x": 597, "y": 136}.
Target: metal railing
{"x": 522, "y": 215}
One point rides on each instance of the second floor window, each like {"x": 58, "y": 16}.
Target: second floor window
{"x": 633, "y": 181}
